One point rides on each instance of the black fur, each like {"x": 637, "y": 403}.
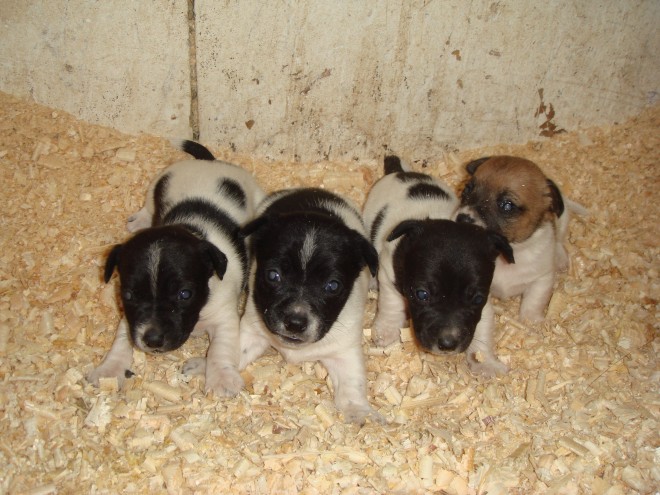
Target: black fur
{"x": 453, "y": 264}
{"x": 557, "y": 205}
{"x": 339, "y": 255}
{"x": 378, "y": 221}
{"x": 232, "y": 190}
{"x": 475, "y": 164}
{"x": 197, "y": 150}
{"x": 427, "y": 191}
{"x": 392, "y": 165}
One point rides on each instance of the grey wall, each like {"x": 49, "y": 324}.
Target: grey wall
{"x": 346, "y": 79}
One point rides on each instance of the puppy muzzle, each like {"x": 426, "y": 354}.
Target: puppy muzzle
{"x": 153, "y": 340}
{"x": 445, "y": 341}
{"x": 295, "y": 326}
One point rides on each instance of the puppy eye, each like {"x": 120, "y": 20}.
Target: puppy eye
{"x": 422, "y": 295}
{"x": 128, "y": 295}
{"x": 478, "y": 299}
{"x": 273, "y": 276}
{"x": 506, "y": 205}
{"x": 184, "y": 295}
{"x": 332, "y": 286}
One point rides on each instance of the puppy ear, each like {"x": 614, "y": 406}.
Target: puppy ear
{"x": 216, "y": 257}
{"x": 501, "y": 246}
{"x": 251, "y": 227}
{"x": 407, "y": 227}
{"x": 111, "y": 262}
{"x": 370, "y": 256}
{"x": 557, "y": 202}
{"x": 474, "y": 164}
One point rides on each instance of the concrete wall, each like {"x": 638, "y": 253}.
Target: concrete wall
{"x": 315, "y": 79}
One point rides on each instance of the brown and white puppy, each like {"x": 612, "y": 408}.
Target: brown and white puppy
{"x": 185, "y": 267}
{"x": 436, "y": 270}
{"x": 512, "y": 196}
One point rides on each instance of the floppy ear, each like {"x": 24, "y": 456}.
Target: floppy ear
{"x": 111, "y": 262}
{"x": 557, "y": 202}
{"x": 474, "y": 164}
{"x": 370, "y": 256}
{"x": 216, "y": 257}
{"x": 501, "y": 245}
{"x": 407, "y": 227}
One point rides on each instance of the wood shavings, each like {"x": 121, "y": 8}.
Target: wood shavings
{"x": 577, "y": 413}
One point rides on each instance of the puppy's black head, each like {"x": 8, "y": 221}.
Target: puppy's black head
{"x": 164, "y": 274}
{"x": 444, "y": 270}
{"x": 306, "y": 266}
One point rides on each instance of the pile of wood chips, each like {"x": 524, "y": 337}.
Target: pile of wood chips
{"x": 578, "y": 413}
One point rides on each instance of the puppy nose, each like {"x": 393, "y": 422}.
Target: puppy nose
{"x": 153, "y": 339}
{"x": 464, "y": 218}
{"x": 296, "y": 323}
{"x": 447, "y": 342}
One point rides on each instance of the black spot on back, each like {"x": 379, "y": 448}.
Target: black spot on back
{"x": 160, "y": 191}
{"x": 427, "y": 191}
{"x": 378, "y": 221}
{"x": 309, "y": 199}
{"x": 215, "y": 218}
{"x": 232, "y": 190}
{"x": 413, "y": 177}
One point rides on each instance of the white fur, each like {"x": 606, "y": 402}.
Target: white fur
{"x": 219, "y": 318}
{"x": 340, "y": 350}
{"x": 537, "y": 261}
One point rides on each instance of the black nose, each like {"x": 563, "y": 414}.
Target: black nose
{"x": 464, "y": 218}
{"x": 296, "y": 323}
{"x": 153, "y": 339}
{"x": 447, "y": 343}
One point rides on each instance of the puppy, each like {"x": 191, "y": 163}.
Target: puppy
{"x": 185, "y": 267}
{"x": 437, "y": 269}
{"x": 513, "y": 197}
{"x": 308, "y": 290}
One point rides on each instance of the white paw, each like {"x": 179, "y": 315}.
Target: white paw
{"x": 194, "y": 366}
{"x": 223, "y": 382}
{"x": 532, "y": 315}
{"x": 139, "y": 220}
{"x": 489, "y": 368}
{"x": 384, "y": 337}
{"x": 358, "y": 414}
{"x": 109, "y": 370}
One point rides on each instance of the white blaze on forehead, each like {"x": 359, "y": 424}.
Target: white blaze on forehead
{"x": 308, "y": 247}
{"x": 153, "y": 260}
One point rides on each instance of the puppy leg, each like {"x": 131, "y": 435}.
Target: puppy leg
{"x": 391, "y": 312}
{"x": 118, "y": 360}
{"x": 482, "y": 343}
{"x": 536, "y": 298}
{"x": 140, "y": 220}
{"x": 349, "y": 380}
{"x": 221, "y": 370}
{"x": 253, "y": 341}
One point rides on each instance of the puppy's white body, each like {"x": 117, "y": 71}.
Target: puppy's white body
{"x": 219, "y": 317}
{"x": 340, "y": 349}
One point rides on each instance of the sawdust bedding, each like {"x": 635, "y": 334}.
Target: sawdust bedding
{"x": 578, "y": 413}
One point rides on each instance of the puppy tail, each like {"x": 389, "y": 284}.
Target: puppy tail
{"x": 192, "y": 148}
{"x": 392, "y": 165}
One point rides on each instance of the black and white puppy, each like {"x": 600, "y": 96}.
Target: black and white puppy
{"x": 185, "y": 267}
{"x": 438, "y": 270}
{"x": 512, "y": 196}
{"x": 308, "y": 289}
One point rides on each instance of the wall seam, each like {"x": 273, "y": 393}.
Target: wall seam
{"x": 192, "y": 62}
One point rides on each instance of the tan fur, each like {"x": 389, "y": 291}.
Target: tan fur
{"x": 525, "y": 184}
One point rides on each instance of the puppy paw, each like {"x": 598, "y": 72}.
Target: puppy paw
{"x": 194, "y": 366}
{"x": 532, "y": 315}
{"x": 139, "y": 220}
{"x": 358, "y": 414}
{"x": 224, "y": 382}
{"x": 489, "y": 368}
{"x": 112, "y": 370}
{"x": 384, "y": 337}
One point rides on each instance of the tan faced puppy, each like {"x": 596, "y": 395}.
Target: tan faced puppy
{"x": 513, "y": 197}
